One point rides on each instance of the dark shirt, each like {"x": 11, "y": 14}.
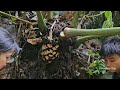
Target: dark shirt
{"x": 116, "y": 76}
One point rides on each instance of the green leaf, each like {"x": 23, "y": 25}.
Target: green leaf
{"x": 108, "y": 23}
{"x": 108, "y": 14}
{"x": 103, "y": 71}
{"x": 13, "y": 20}
{"x": 93, "y": 64}
{"x": 102, "y": 64}
{"x": 90, "y": 72}
{"x": 96, "y": 71}
{"x": 41, "y": 23}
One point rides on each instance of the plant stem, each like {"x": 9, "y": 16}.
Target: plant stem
{"x": 75, "y": 20}
{"x": 80, "y": 40}
{"x": 72, "y": 32}
{"x": 41, "y": 23}
{"x": 25, "y": 21}
{"x": 43, "y": 13}
{"x": 95, "y": 15}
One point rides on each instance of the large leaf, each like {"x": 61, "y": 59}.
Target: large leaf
{"x": 108, "y": 23}
{"x": 108, "y": 14}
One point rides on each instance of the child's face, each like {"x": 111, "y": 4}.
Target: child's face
{"x": 113, "y": 63}
{"x": 4, "y": 58}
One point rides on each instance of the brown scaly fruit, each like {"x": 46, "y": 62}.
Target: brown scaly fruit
{"x": 49, "y": 52}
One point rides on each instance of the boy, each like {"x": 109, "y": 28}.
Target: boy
{"x": 110, "y": 51}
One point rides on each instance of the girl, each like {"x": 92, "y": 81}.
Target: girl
{"x": 8, "y": 47}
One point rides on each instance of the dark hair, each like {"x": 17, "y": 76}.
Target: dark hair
{"x": 110, "y": 46}
{"x": 7, "y": 42}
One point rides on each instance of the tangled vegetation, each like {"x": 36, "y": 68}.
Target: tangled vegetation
{"x": 58, "y": 44}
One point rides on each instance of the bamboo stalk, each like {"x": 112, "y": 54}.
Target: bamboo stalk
{"x": 72, "y": 32}
{"x": 25, "y": 21}
{"x": 80, "y": 40}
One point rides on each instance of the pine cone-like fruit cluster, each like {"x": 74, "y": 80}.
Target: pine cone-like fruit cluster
{"x": 49, "y": 52}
